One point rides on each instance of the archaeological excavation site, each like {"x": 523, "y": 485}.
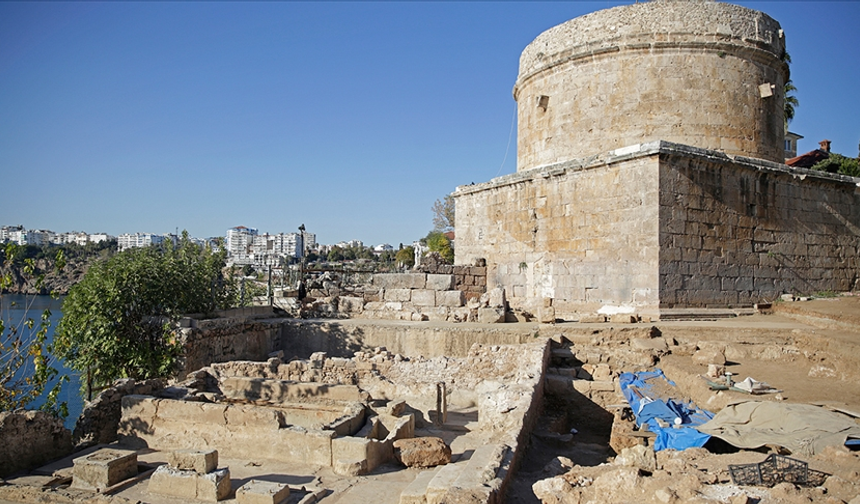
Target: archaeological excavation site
{"x": 653, "y": 309}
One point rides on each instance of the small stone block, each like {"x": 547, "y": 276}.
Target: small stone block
{"x": 592, "y": 319}
{"x": 103, "y": 468}
{"x": 210, "y": 487}
{"x": 623, "y": 318}
{"x": 199, "y": 461}
{"x": 350, "y": 467}
{"x": 262, "y": 492}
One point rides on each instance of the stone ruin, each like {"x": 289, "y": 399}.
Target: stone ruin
{"x": 344, "y": 413}
{"x": 649, "y": 178}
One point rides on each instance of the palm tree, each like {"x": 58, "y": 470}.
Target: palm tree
{"x": 789, "y": 103}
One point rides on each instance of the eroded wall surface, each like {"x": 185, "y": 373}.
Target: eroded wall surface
{"x": 30, "y": 438}
{"x": 582, "y": 234}
{"x": 743, "y": 231}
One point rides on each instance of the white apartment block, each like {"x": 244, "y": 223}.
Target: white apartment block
{"x": 99, "y": 237}
{"x": 309, "y": 240}
{"x": 7, "y": 232}
{"x": 239, "y": 241}
{"x": 274, "y": 250}
{"x": 351, "y": 243}
{"x": 129, "y": 240}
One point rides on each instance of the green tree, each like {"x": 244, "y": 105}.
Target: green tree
{"x": 837, "y": 163}
{"x": 443, "y": 214}
{"x": 26, "y": 356}
{"x": 335, "y": 254}
{"x": 405, "y": 257}
{"x": 790, "y": 103}
{"x": 118, "y": 320}
{"x": 438, "y": 242}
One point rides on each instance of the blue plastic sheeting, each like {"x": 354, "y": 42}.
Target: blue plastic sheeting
{"x": 648, "y": 406}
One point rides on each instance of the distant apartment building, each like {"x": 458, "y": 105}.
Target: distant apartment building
{"x": 383, "y": 247}
{"x": 245, "y": 246}
{"x": 275, "y": 250}
{"x": 239, "y": 241}
{"x": 99, "y": 237}
{"x": 350, "y": 243}
{"x": 21, "y": 236}
{"x": 10, "y": 233}
{"x": 132, "y": 240}
{"x": 309, "y": 240}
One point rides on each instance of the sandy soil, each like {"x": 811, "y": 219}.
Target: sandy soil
{"x": 808, "y": 350}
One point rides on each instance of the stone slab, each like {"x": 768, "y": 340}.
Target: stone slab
{"x": 450, "y": 298}
{"x": 103, "y": 468}
{"x": 397, "y": 295}
{"x": 262, "y": 492}
{"x": 199, "y": 461}
{"x": 441, "y": 482}
{"x": 416, "y": 492}
{"x": 424, "y": 297}
{"x": 482, "y": 466}
{"x": 440, "y": 282}
{"x": 210, "y": 487}
{"x": 400, "y": 280}
{"x": 350, "y": 304}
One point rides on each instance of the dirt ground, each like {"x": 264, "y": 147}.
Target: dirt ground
{"x": 808, "y": 350}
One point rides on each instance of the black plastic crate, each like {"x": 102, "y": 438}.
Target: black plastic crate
{"x": 776, "y": 469}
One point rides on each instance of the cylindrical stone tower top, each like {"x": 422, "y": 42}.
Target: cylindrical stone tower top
{"x": 699, "y": 73}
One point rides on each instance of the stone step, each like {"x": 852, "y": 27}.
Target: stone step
{"x": 560, "y": 356}
{"x": 416, "y": 492}
{"x": 700, "y": 314}
{"x": 442, "y": 481}
{"x": 482, "y": 466}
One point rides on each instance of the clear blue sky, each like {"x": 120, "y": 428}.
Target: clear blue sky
{"x": 349, "y": 117}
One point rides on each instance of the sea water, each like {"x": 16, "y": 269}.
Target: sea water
{"x": 15, "y": 308}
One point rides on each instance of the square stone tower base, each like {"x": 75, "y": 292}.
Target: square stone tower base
{"x": 659, "y": 226}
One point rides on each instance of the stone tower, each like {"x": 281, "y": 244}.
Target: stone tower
{"x": 698, "y": 73}
{"x": 650, "y": 173}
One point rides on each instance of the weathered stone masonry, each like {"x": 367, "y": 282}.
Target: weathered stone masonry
{"x": 649, "y": 172}
{"x": 685, "y": 72}
{"x": 737, "y": 232}
{"x": 658, "y": 226}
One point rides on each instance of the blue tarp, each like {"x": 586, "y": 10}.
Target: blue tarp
{"x": 648, "y": 406}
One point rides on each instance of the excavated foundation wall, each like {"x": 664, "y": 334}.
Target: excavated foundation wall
{"x": 227, "y": 339}
{"x": 342, "y": 338}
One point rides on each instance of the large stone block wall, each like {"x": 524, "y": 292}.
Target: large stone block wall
{"x": 227, "y": 339}
{"x": 685, "y": 72}
{"x": 236, "y": 431}
{"x": 302, "y": 338}
{"x": 738, "y": 232}
{"x": 581, "y": 234}
{"x": 661, "y": 225}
